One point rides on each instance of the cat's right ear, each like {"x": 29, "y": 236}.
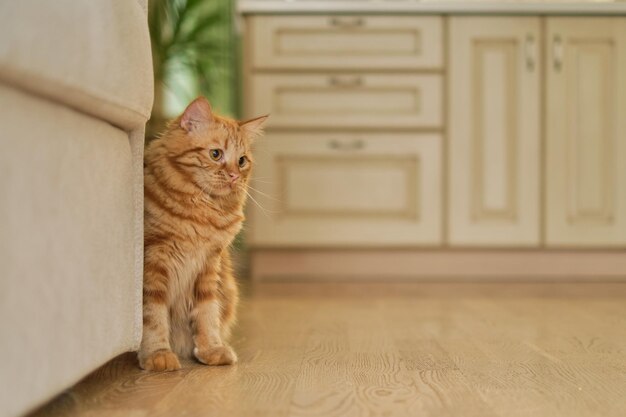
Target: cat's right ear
{"x": 197, "y": 114}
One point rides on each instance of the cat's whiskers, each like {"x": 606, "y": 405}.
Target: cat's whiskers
{"x": 263, "y": 194}
{"x": 265, "y": 212}
{"x": 202, "y": 194}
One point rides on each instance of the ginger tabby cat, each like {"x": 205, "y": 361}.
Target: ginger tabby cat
{"x": 196, "y": 175}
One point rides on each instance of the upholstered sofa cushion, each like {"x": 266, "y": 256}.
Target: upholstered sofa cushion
{"x": 75, "y": 93}
{"x": 91, "y": 55}
{"x": 69, "y": 298}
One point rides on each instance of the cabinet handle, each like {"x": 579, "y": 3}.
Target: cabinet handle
{"x": 347, "y": 23}
{"x": 530, "y": 52}
{"x": 354, "y": 145}
{"x": 557, "y": 51}
{"x": 345, "y": 82}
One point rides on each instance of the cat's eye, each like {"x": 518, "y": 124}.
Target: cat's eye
{"x": 242, "y": 161}
{"x": 216, "y": 154}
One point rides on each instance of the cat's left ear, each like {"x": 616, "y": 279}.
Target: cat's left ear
{"x": 196, "y": 114}
{"x": 253, "y": 127}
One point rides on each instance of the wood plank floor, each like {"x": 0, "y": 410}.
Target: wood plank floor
{"x": 392, "y": 350}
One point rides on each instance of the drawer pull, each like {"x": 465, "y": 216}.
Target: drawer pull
{"x": 557, "y": 51}
{"x": 354, "y": 145}
{"x": 345, "y": 82}
{"x": 530, "y": 53}
{"x": 347, "y": 23}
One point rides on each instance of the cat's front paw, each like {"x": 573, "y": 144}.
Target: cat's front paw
{"x": 161, "y": 360}
{"x": 218, "y": 355}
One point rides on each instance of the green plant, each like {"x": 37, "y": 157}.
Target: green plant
{"x": 193, "y": 53}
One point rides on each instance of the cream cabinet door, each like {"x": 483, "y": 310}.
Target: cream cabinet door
{"x": 494, "y": 131}
{"x": 586, "y": 132}
{"x": 334, "y": 189}
{"x": 348, "y": 100}
{"x": 346, "y": 42}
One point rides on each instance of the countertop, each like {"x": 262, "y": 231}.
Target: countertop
{"x": 552, "y": 7}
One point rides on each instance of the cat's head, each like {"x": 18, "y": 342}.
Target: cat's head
{"x": 214, "y": 151}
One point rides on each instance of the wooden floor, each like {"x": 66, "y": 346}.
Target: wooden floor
{"x": 402, "y": 350}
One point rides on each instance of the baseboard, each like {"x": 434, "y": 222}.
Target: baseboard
{"x": 306, "y": 265}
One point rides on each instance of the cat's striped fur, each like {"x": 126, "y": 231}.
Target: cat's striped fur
{"x": 196, "y": 175}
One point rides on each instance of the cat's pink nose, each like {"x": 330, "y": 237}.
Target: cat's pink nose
{"x": 233, "y": 177}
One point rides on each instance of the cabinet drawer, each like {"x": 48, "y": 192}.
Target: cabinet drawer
{"x": 346, "y": 42}
{"x": 348, "y": 100}
{"x": 347, "y": 189}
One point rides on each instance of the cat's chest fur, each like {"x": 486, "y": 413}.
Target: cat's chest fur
{"x": 190, "y": 261}
{"x": 200, "y": 249}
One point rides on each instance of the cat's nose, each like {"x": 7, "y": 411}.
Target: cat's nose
{"x": 233, "y": 177}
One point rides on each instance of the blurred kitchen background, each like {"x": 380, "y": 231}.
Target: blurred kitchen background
{"x": 407, "y": 139}
{"x": 419, "y": 147}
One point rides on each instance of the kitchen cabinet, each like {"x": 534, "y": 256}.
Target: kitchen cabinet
{"x": 352, "y": 154}
{"x": 357, "y": 189}
{"x": 447, "y": 144}
{"x": 494, "y": 131}
{"x": 346, "y": 42}
{"x": 357, "y": 101}
{"x": 586, "y": 132}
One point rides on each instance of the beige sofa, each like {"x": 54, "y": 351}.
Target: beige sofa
{"x": 75, "y": 94}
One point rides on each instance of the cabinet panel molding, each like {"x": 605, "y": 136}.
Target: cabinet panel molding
{"x": 347, "y": 42}
{"x": 589, "y": 147}
{"x": 349, "y": 100}
{"x": 360, "y": 189}
{"x": 586, "y": 132}
{"x": 494, "y": 131}
{"x": 494, "y": 138}
{"x": 303, "y": 184}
